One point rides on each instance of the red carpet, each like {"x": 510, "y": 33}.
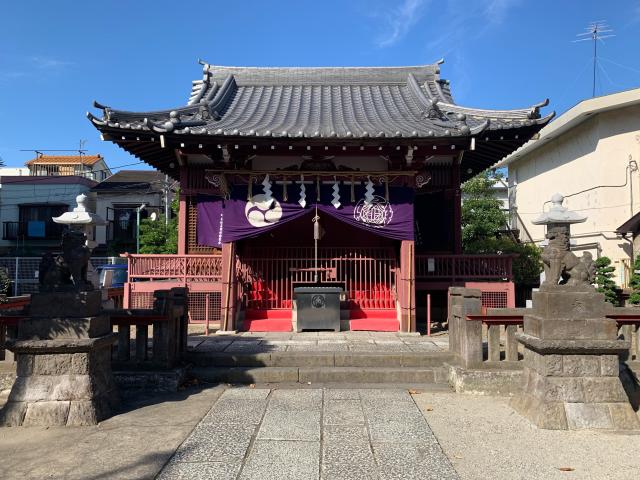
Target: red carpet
{"x": 267, "y": 321}
{"x": 375, "y": 324}
{"x": 377, "y": 320}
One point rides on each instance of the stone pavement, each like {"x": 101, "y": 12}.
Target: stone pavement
{"x": 302, "y": 434}
{"x": 262, "y": 342}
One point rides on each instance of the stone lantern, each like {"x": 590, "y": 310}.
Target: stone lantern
{"x": 570, "y": 376}
{"x": 64, "y": 345}
{"x": 84, "y": 222}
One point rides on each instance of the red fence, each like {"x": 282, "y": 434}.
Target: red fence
{"x": 201, "y": 274}
{"x": 464, "y": 267}
{"x": 367, "y": 274}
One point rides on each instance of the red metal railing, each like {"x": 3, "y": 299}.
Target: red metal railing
{"x": 367, "y": 274}
{"x": 464, "y": 267}
{"x": 185, "y": 268}
{"x": 201, "y": 274}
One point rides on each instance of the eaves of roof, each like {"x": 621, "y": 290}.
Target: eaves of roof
{"x": 571, "y": 119}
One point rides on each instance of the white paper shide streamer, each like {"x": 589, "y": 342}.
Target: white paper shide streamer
{"x": 266, "y": 189}
{"x": 336, "y": 194}
{"x": 303, "y": 196}
{"x": 369, "y": 191}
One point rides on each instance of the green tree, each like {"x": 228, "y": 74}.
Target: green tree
{"x": 604, "y": 274}
{"x": 634, "y": 283}
{"x": 482, "y": 223}
{"x": 159, "y": 236}
{"x": 482, "y": 216}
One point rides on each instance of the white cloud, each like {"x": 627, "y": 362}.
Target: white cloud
{"x": 49, "y": 62}
{"x": 400, "y": 20}
{"x": 496, "y": 11}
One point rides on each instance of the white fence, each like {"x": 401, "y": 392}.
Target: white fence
{"x": 23, "y": 271}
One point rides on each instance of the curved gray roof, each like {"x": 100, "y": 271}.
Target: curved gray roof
{"x": 322, "y": 102}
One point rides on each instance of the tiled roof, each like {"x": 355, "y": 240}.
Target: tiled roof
{"x": 149, "y": 181}
{"x": 65, "y": 159}
{"x": 347, "y": 102}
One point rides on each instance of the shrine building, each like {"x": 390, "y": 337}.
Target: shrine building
{"x": 375, "y": 155}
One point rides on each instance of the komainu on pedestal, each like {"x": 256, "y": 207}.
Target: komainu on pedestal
{"x": 63, "y": 348}
{"x": 571, "y": 366}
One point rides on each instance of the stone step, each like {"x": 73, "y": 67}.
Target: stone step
{"x": 314, "y": 375}
{"x": 320, "y": 359}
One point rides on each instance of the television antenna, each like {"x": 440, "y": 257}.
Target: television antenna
{"x": 596, "y": 31}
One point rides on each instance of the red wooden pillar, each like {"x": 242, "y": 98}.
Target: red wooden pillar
{"x": 229, "y": 297}
{"x": 407, "y": 286}
{"x": 182, "y": 214}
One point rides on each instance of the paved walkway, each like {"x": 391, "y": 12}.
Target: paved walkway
{"x": 302, "y": 434}
{"x": 253, "y": 342}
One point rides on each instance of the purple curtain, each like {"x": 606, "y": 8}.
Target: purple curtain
{"x": 221, "y": 221}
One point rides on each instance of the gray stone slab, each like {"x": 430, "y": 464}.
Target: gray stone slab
{"x": 296, "y": 399}
{"x": 198, "y": 470}
{"x": 213, "y": 346}
{"x": 422, "y": 461}
{"x": 401, "y": 431}
{"x": 363, "y": 347}
{"x": 244, "y": 393}
{"x": 301, "y": 425}
{"x": 391, "y": 395}
{"x": 342, "y": 412}
{"x": 333, "y": 346}
{"x": 423, "y": 347}
{"x": 585, "y": 415}
{"x": 236, "y": 412}
{"x": 208, "y": 442}
{"x": 342, "y": 433}
{"x": 302, "y": 359}
{"x": 273, "y": 460}
{"x": 348, "y": 461}
{"x": 341, "y": 394}
{"x": 247, "y": 347}
{"x": 385, "y": 413}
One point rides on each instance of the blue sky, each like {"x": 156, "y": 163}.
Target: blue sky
{"x": 56, "y": 57}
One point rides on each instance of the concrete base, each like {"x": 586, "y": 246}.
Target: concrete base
{"x": 565, "y": 390}
{"x": 61, "y": 382}
{"x": 150, "y": 381}
{"x": 501, "y": 382}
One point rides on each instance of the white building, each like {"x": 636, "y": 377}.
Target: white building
{"x": 590, "y": 155}
{"x": 45, "y": 188}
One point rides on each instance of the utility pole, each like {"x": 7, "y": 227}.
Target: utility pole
{"x": 596, "y": 31}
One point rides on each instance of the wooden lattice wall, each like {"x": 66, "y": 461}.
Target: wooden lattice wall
{"x": 192, "y": 222}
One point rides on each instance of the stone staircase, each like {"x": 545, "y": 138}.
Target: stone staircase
{"x": 328, "y": 367}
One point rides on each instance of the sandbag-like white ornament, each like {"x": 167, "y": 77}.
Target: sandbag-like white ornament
{"x": 336, "y": 194}
{"x": 266, "y": 189}
{"x": 369, "y": 191}
{"x": 303, "y": 196}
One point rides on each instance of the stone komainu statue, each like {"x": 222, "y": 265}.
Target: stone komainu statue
{"x": 67, "y": 271}
{"x": 562, "y": 266}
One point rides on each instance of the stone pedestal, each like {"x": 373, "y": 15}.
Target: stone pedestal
{"x": 64, "y": 363}
{"x": 570, "y": 378}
